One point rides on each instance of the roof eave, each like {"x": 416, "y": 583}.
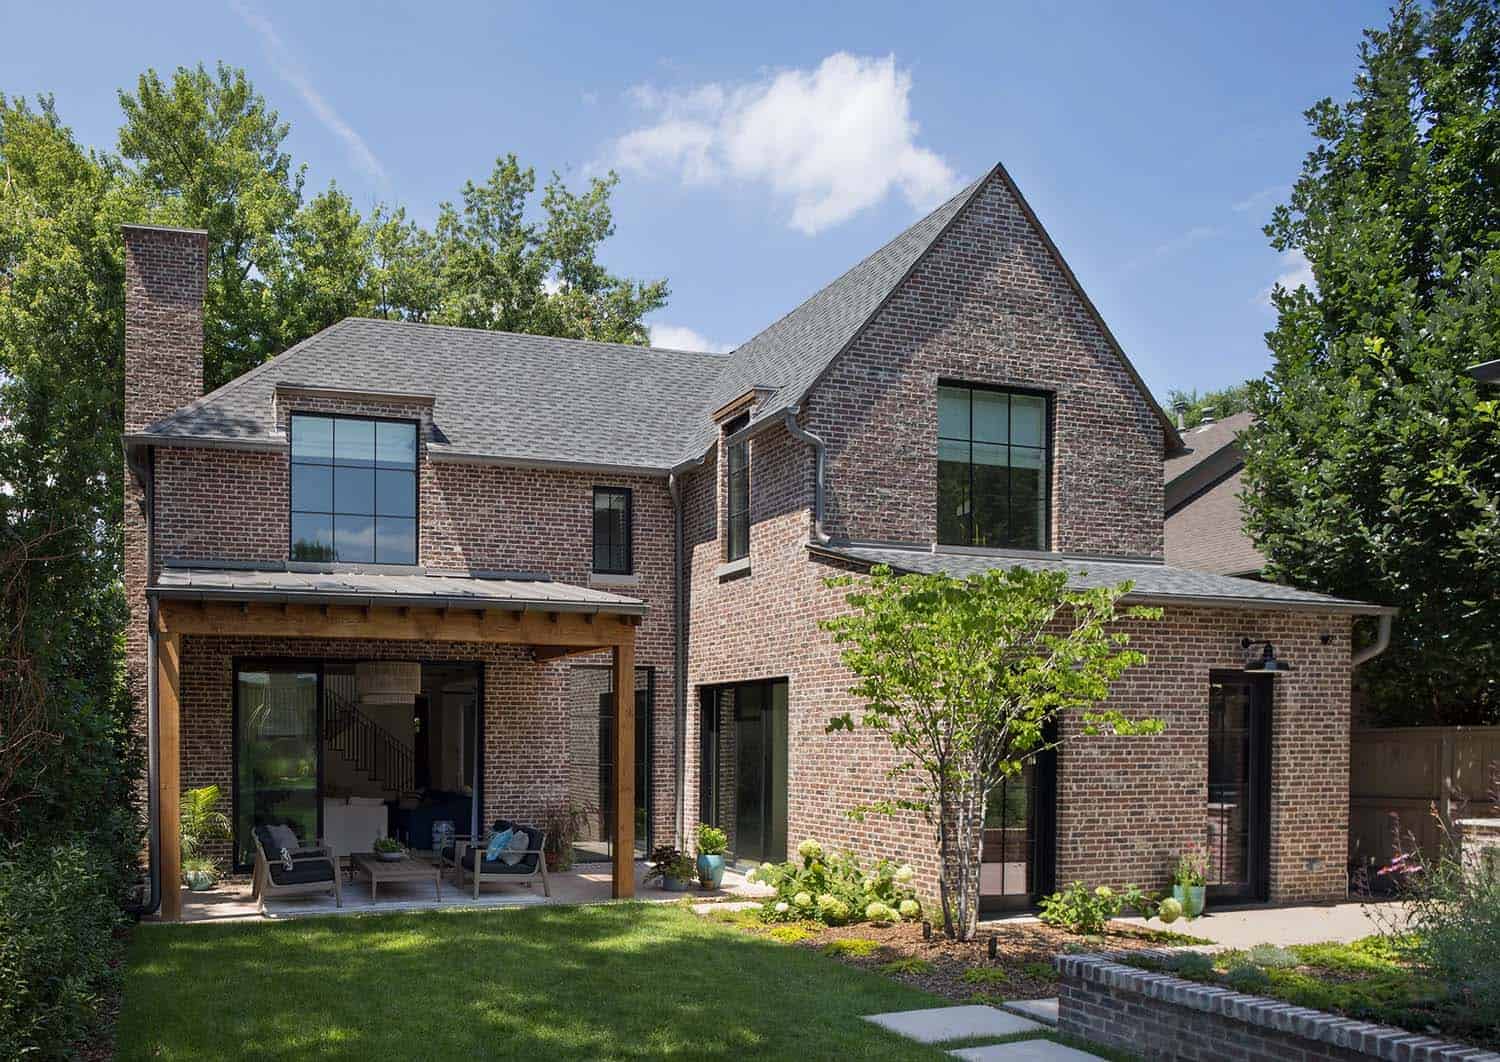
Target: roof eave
{"x": 622, "y": 607}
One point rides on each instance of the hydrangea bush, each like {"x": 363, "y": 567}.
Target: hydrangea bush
{"x": 836, "y": 889}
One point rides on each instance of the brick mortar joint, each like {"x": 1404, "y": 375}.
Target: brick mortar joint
{"x": 1108, "y": 970}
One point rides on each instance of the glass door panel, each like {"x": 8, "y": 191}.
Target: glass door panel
{"x": 1016, "y": 853}
{"x": 742, "y": 780}
{"x": 276, "y": 754}
{"x": 1238, "y": 786}
{"x": 749, "y": 773}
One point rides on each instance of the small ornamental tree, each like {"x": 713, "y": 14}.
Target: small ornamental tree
{"x": 965, "y": 679}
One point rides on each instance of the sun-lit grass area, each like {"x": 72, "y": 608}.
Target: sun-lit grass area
{"x": 620, "y": 981}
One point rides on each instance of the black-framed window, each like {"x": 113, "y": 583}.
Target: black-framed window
{"x": 738, "y": 468}
{"x": 993, "y": 467}
{"x": 354, "y": 490}
{"x": 612, "y": 531}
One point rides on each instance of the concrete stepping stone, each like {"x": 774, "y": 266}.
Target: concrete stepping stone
{"x": 1042, "y": 1010}
{"x": 936, "y": 1024}
{"x": 1025, "y": 1051}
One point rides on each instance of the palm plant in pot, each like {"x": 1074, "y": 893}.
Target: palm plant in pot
{"x": 200, "y": 821}
{"x": 1190, "y": 883}
{"x": 675, "y": 870}
{"x": 712, "y": 844}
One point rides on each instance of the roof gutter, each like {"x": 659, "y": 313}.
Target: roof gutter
{"x": 359, "y": 600}
{"x": 819, "y": 451}
{"x": 1381, "y": 644}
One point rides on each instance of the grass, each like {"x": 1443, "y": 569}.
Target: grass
{"x": 617, "y": 981}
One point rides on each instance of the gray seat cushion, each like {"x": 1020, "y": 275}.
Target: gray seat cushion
{"x": 527, "y": 864}
{"x": 305, "y": 872}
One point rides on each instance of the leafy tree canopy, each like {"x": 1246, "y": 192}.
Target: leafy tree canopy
{"x": 968, "y": 680}
{"x": 1373, "y": 470}
{"x": 1217, "y": 404}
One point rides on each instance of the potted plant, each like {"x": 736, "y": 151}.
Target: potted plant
{"x": 1189, "y": 883}
{"x": 675, "y": 870}
{"x": 712, "y": 844}
{"x": 388, "y": 849}
{"x": 200, "y": 821}
{"x": 564, "y": 824}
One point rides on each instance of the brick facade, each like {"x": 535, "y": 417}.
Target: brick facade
{"x": 989, "y": 304}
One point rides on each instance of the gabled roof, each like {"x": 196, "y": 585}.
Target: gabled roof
{"x": 1207, "y": 532}
{"x": 494, "y": 394}
{"x": 1203, "y": 442}
{"x": 1154, "y": 583}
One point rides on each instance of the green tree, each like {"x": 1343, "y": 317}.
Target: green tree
{"x": 968, "y": 680}
{"x": 503, "y": 271}
{"x": 1217, "y": 404}
{"x": 1373, "y": 470}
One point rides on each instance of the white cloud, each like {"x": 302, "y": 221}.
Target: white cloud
{"x": 829, "y": 142}
{"x": 1296, "y": 272}
{"x": 1255, "y": 199}
{"x": 677, "y": 337}
{"x": 291, "y": 71}
{"x": 1176, "y": 245}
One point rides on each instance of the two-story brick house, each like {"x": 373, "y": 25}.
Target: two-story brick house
{"x": 434, "y": 538}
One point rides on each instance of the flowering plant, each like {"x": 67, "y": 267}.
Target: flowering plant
{"x": 836, "y": 888}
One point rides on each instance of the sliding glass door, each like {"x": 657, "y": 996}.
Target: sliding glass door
{"x": 743, "y": 767}
{"x": 276, "y": 752}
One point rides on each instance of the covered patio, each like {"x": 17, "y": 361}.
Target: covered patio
{"x": 509, "y": 626}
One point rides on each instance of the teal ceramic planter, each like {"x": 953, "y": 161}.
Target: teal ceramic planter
{"x": 711, "y": 871}
{"x": 671, "y": 884}
{"x": 1192, "y": 898}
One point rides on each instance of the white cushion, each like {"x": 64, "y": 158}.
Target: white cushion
{"x": 366, "y": 802}
{"x": 515, "y": 851}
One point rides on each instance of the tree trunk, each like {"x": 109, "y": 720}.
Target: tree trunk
{"x": 945, "y": 861}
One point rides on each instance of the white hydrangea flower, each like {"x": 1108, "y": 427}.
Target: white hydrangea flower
{"x": 904, "y": 874}
{"x": 783, "y": 907}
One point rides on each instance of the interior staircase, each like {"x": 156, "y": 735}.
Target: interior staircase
{"x": 364, "y": 743}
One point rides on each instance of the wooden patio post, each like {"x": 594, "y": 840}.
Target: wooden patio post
{"x": 169, "y": 785}
{"x": 623, "y": 739}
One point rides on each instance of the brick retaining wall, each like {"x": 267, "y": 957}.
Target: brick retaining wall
{"x": 1158, "y": 1016}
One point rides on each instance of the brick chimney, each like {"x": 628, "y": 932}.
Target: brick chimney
{"x": 165, "y": 273}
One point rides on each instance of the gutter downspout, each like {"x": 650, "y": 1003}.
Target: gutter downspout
{"x": 819, "y": 449}
{"x": 1382, "y": 642}
{"x": 144, "y": 472}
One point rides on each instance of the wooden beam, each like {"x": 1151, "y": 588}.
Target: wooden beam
{"x": 168, "y": 773}
{"x": 557, "y": 652}
{"x": 388, "y": 623}
{"x": 623, "y": 740}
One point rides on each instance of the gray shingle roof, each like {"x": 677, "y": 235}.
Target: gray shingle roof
{"x": 370, "y": 588}
{"x": 1153, "y": 582}
{"x": 496, "y": 394}
{"x": 1202, "y": 442}
{"x": 1208, "y": 532}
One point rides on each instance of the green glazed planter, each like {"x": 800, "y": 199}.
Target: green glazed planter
{"x": 1192, "y": 898}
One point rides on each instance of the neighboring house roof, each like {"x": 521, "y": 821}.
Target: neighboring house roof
{"x": 537, "y": 399}
{"x": 495, "y": 394}
{"x": 370, "y": 588}
{"x": 1154, "y": 583}
{"x": 1203, "y": 442}
{"x": 1486, "y": 371}
{"x": 1208, "y": 532}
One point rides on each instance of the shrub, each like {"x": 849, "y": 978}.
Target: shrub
{"x": 792, "y": 932}
{"x": 1193, "y": 965}
{"x": 985, "y": 975}
{"x": 1040, "y": 971}
{"x": 712, "y": 840}
{"x": 1270, "y": 957}
{"x": 58, "y": 916}
{"x": 1170, "y": 910}
{"x": 1245, "y": 976}
{"x": 851, "y": 948}
{"x": 836, "y": 889}
{"x": 1079, "y": 909}
{"x": 909, "y": 965}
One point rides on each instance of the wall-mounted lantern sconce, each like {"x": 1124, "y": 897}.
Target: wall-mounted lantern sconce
{"x": 1268, "y": 664}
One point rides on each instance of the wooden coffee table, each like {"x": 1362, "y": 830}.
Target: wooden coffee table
{"x": 378, "y": 870}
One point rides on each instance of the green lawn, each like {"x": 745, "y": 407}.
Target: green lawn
{"x": 617, "y": 981}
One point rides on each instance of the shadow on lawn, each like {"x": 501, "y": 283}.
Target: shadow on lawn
{"x": 616, "y": 981}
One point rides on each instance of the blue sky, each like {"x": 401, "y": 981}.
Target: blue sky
{"x": 765, "y": 148}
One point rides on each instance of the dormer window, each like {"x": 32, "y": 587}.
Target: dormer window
{"x": 737, "y": 467}
{"x": 994, "y": 468}
{"x": 354, "y": 490}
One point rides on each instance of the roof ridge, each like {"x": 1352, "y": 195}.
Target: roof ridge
{"x": 536, "y": 335}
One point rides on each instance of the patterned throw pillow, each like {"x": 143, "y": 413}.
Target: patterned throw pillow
{"x": 287, "y": 863}
{"x": 516, "y": 849}
{"x": 497, "y": 845}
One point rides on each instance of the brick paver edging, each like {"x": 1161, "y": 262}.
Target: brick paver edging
{"x": 1104, "y": 1000}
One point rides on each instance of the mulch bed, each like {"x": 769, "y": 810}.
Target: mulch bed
{"x": 1024, "y": 957}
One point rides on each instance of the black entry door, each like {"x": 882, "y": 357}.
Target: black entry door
{"x": 1239, "y": 786}
{"x": 1018, "y": 850}
{"x": 743, "y": 767}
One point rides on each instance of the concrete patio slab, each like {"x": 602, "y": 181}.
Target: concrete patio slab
{"x": 1042, "y": 1010}
{"x": 1024, "y": 1051}
{"x": 1310, "y": 924}
{"x": 937, "y": 1024}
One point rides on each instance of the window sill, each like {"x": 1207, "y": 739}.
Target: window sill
{"x": 733, "y": 569}
{"x": 614, "y": 578}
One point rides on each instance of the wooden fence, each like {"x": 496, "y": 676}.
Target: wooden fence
{"x": 1410, "y": 783}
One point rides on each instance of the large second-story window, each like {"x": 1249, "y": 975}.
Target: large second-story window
{"x": 738, "y": 475}
{"x": 612, "y": 530}
{"x": 992, "y": 468}
{"x": 354, "y": 490}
